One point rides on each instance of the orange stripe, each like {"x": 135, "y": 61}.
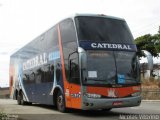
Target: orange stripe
{"x": 68, "y": 104}
{"x": 121, "y": 92}
{"x": 61, "y": 54}
{"x": 11, "y": 74}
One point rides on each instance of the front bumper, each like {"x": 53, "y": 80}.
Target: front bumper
{"x": 94, "y": 104}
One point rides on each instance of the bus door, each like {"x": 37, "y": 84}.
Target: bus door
{"x": 74, "y": 80}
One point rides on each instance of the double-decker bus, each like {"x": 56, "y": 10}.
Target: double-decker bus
{"x": 86, "y": 62}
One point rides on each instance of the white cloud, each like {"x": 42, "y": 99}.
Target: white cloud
{"x": 23, "y": 20}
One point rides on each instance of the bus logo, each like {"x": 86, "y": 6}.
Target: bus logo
{"x": 107, "y": 46}
{"x": 112, "y": 46}
{"x": 112, "y": 93}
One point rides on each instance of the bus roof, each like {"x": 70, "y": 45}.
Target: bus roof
{"x": 73, "y": 16}
{"x": 98, "y": 15}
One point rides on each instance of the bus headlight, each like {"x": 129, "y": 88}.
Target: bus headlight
{"x": 136, "y": 94}
{"x": 92, "y": 95}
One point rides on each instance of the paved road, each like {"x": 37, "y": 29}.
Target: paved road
{"x": 44, "y": 112}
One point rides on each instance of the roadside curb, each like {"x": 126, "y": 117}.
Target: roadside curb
{"x": 150, "y": 100}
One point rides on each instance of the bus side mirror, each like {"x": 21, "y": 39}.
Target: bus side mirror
{"x": 73, "y": 60}
{"x": 83, "y": 58}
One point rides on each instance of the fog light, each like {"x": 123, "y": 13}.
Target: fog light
{"x": 91, "y": 104}
{"x": 86, "y": 104}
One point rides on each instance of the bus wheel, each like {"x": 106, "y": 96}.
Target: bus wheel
{"x": 60, "y": 102}
{"x": 109, "y": 109}
{"x": 28, "y": 103}
{"x": 20, "y": 100}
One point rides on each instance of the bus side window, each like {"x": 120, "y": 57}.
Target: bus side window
{"x": 74, "y": 68}
{"x": 69, "y": 41}
{"x": 58, "y": 72}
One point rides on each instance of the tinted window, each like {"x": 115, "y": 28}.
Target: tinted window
{"x": 127, "y": 65}
{"x": 68, "y": 33}
{"x": 46, "y": 43}
{"x": 101, "y": 67}
{"x": 103, "y": 29}
{"x": 74, "y": 69}
{"x": 58, "y": 71}
{"x": 52, "y": 38}
{"x": 110, "y": 67}
{"x": 39, "y": 76}
{"x": 69, "y": 41}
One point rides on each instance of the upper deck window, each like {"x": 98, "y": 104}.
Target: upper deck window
{"x": 103, "y": 29}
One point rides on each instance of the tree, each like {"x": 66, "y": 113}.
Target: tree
{"x": 157, "y": 42}
{"x": 148, "y": 42}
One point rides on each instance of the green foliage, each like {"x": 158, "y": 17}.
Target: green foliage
{"x": 148, "y": 42}
{"x": 3, "y": 116}
{"x": 157, "y": 42}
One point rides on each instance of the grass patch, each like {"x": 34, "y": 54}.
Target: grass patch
{"x": 3, "y": 116}
{"x": 150, "y": 89}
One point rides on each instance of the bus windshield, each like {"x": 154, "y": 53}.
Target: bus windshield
{"x": 110, "y": 67}
{"x": 103, "y": 29}
{"x": 107, "y": 63}
{"x": 101, "y": 67}
{"x": 127, "y": 67}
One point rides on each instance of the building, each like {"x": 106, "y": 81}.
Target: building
{"x": 147, "y": 73}
{"x": 156, "y": 71}
{"x": 4, "y": 92}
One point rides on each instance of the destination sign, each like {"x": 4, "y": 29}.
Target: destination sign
{"x": 107, "y": 46}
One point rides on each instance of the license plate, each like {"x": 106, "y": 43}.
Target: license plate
{"x": 116, "y": 103}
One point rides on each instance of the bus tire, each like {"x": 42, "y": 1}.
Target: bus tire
{"x": 20, "y": 100}
{"x": 28, "y": 103}
{"x": 108, "y": 109}
{"x": 60, "y": 103}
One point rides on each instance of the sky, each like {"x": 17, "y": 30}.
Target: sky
{"x": 23, "y": 20}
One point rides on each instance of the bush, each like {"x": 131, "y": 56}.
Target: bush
{"x": 151, "y": 89}
{"x": 3, "y": 116}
